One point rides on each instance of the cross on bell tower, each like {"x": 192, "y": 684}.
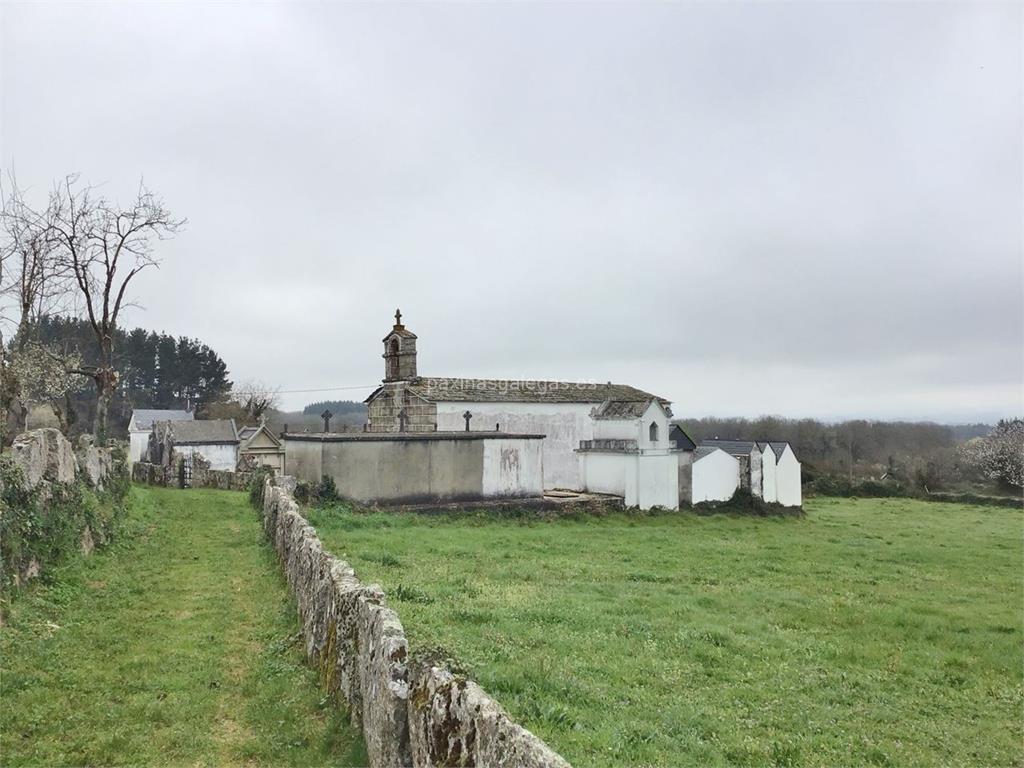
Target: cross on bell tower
{"x": 399, "y": 352}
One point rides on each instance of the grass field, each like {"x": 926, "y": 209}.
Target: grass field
{"x": 176, "y": 646}
{"x": 881, "y": 632}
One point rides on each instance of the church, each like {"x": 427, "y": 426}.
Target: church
{"x": 579, "y": 420}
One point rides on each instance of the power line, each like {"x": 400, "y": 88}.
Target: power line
{"x": 303, "y": 391}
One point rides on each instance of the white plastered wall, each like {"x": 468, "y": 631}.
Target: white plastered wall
{"x": 563, "y": 424}
{"x": 138, "y": 441}
{"x": 715, "y": 477}
{"x": 787, "y": 474}
{"x": 768, "y": 475}
{"x": 223, "y": 457}
{"x": 513, "y": 468}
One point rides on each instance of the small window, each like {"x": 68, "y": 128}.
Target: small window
{"x": 654, "y": 431}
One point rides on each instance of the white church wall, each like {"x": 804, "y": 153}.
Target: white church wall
{"x": 787, "y": 474}
{"x": 768, "y": 476}
{"x": 606, "y": 472}
{"x": 657, "y": 483}
{"x": 715, "y": 477}
{"x": 563, "y": 424}
{"x": 654, "y": 414}
{"x": 513, "y": 468}
{"x": 616, "y": 429}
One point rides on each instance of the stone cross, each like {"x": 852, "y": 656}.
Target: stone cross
{"x": 327, "y": 416}
{"x": 398, "y": 317}
{"x": 403, "y": 418}
{"x": 467, "y": 416}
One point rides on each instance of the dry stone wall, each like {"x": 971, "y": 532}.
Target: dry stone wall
{"x": 411, "y": 713}
{"x": 202, "y": 477}
{"x": 55, "y": 498}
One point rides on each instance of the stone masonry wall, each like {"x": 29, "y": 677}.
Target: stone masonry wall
{"x": 41, "y": 485}
{"x": 394, "y": 397}
{"x": 411, "y": 713}
{"x": 202, "y": 477}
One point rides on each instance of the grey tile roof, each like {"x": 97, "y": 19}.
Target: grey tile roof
{"x": 204, "y": 432}
{"x": 733, "y": 447}
{"x": 621, "y": 409}
{"x": 144, "y": 419}
{"x": 677, "y": 435}
{"x": 704, "y": 450}
{"x": 779, "y": 448}
{"x": 519, "y": 391}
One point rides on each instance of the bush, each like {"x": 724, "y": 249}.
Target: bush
{"x": 257, "y": 485}
{"x": 325, "y": 492}
{"x": 743, "y": 502}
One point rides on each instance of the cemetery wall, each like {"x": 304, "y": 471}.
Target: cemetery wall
{"x": 412, "y": 712}
{"x": 419, "y": 468}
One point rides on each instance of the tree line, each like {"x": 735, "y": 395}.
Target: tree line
{"x": 154, "y": 370}
{"x": 925, "y": 455}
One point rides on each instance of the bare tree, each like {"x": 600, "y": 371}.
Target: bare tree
{"x": 256, "y": 398}
{"x": 33, "y": 283}
{"x": 104, "y": 247}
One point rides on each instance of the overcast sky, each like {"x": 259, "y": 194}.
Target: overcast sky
{"x": 795, "y": 209}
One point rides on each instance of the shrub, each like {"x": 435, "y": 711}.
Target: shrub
{"x": 257, "y": 484}
{"x": 325, "y": 492}
{"x": 743, "y": 502}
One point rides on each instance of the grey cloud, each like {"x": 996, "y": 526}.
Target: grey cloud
{"x": 677, "y": 195}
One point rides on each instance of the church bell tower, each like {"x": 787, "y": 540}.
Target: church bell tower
{"x": 399, "y": 352}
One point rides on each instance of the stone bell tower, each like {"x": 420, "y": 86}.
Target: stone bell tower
{"x": 399, "y": 352}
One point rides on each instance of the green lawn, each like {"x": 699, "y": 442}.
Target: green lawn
{"x": 176, "y": 646}
{"x": 873, "y": 632}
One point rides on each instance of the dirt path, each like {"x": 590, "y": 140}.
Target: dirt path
{"x": 176, "y": 646}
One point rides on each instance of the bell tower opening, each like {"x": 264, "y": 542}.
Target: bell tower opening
{"x": 399, "y": 352}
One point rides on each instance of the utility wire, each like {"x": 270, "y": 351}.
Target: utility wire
{"x": 300, "y": 391}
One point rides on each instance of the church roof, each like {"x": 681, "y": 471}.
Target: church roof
{"x": 519, "y": 391}
{"x": 400, "y": 330}
{"x": 622, "y": 409}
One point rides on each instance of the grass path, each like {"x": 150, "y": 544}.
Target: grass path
{"x": 178, "y": 645}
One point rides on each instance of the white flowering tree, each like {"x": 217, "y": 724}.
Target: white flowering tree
{"x": 1000, "y": 455}
{"x": 45, "y": 375}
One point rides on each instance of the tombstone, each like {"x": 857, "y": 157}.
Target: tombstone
{"x": 467, "y": 416}
{"x": 327, "y": 416}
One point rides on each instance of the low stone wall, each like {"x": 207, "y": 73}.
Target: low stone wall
{"x": 154, "y": 474}
{"x": 219, "y": 478}
{"x": 411, "y": 713}
{"x": 56, "y": 498}
{"x": 157, "y": 474}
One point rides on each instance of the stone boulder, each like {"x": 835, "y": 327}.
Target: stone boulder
{"x": 44, "y": 455}
{"x": 95, "y": 463}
